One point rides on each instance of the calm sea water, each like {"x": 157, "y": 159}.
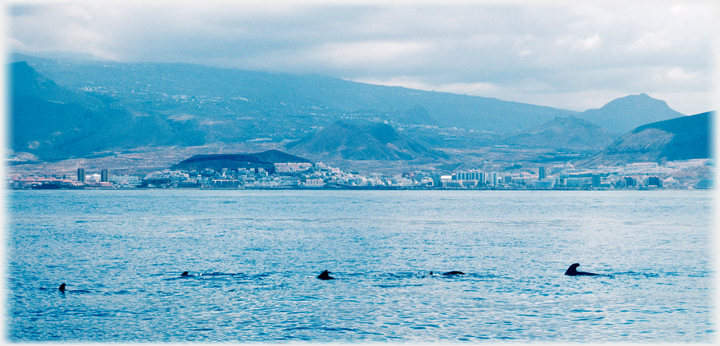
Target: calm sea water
{"x": 253, "y": 258}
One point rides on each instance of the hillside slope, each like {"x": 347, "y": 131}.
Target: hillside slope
{"x": 362, "y": 141}
{"x": 55, "y": 123}
{"x": 564, "y": 133}
{"x": 683, "y": 138}
{"x": 224, "y": 94}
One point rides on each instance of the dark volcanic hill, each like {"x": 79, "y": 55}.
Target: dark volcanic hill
{"x": 683, "y": 138}
{"x": 265, "y": 160}
{"x": 564, "y": 133}
{"x": 54, "y": 123}
{"x": 362, "y": 141}
{"x": 626, "y": 113}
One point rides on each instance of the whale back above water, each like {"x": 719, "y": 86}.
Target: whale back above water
{"x": 454, "y": 272}
{"x": 572, "y": 271}
{"x": 62, "y": 287}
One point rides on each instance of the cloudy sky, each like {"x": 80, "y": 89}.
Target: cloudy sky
{"x": 560, "y": 55}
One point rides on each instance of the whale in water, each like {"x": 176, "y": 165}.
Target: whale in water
{"x": 454, "y": 272}
{"x": 62, "y": 287}
{"x": 325, "y": 275}
{"x": 184, "y": 273}
{"x": 572, "y": 271}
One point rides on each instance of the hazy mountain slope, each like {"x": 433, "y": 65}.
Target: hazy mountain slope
{"x": 44, "y": 118}
{"x": 569, "y": 133}
{"x": 683, "y": 138}
{"x": 417, "y": 115}
{"x": 155, "y": 88}
{"x": 362, "y": 141}
{"x": 692, "y": 136}
{"x": 626, "y": 113}
{"x": 55, "y": 123}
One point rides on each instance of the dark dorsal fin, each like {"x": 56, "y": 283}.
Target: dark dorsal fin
{"x": 325, "y": 275}
{"x": 572, "y": 271}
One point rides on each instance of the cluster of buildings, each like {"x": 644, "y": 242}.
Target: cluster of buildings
{"x": 644, "y": 175}
{"x": 307, "y": 175}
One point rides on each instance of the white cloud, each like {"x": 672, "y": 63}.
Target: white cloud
{"x": 352, "y": 54}
{"x": 679, "y": 9}
{"x": 16, "y": 45}
{"x": 679, "y": 73}
{"x": 401, "y": 81}
{"x": 509, "y": 52}
{"x": 572, "y": 42}
{"x": 475, "y": 89}
{"x": 650, "y": 42}
{"x": 593, "y": 42}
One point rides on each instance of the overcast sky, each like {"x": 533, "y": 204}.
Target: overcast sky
{"x": 561, "y": 55}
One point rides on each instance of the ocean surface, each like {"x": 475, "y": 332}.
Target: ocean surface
{"x": 253, "y": 258}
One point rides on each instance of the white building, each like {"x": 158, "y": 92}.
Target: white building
{"x": 642, "y": 165}
{"x": 314, "y": 183}
{"x": 291, "y": 167}
{"x": 578, "y": 182}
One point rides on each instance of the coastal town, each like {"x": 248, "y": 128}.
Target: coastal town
{"x": 685, "y": 174}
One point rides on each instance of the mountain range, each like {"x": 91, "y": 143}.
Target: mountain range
{"x": 224, "y": 95}
{"x": 62, "y": 109}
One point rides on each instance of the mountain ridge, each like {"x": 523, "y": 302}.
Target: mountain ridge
{"x": 106, "y": 106}
{"x": 682, "y": 138}
{"x": 52, "y": 122}
{"x": 302, "y": 95}
{"x": 626, "y": 113}
{"x": 361, "y": 140}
